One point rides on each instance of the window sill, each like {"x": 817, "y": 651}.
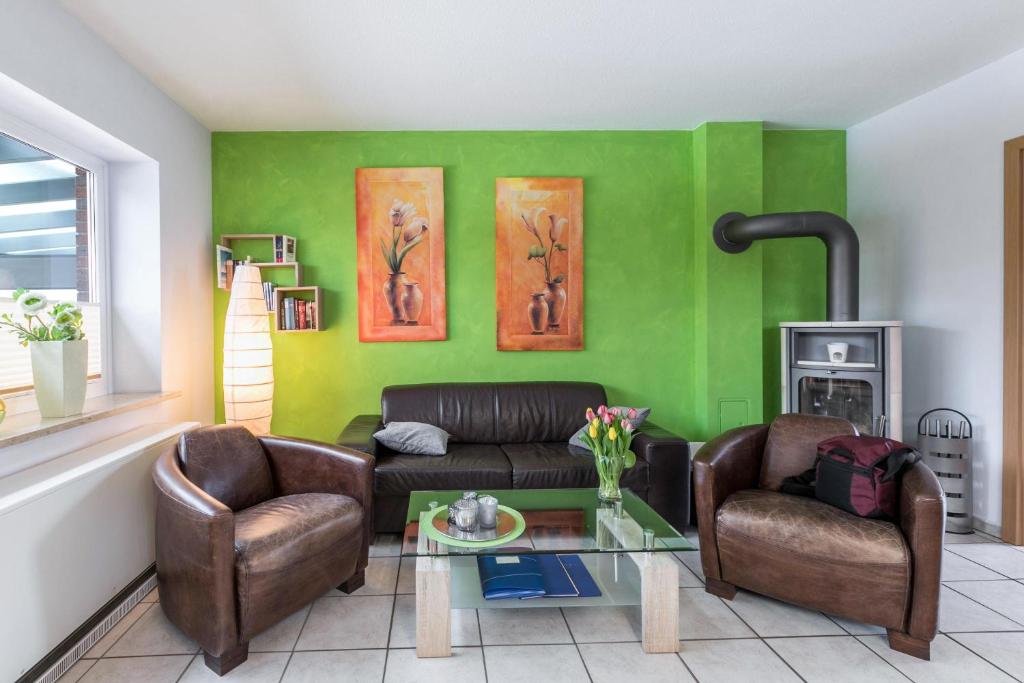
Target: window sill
{"x": 25, "y": 427}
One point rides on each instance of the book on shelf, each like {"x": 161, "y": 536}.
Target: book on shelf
{"x": 535, "y": 576}
{"x": 284, "y": 249}
{"x": 268, "y": 294}
{"x": 297, "y": 314}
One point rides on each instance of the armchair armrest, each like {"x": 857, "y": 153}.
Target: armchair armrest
{"x": 358, "y": 434}
{"x": 300, "y": 466}
{"x": 729, "y": 463}
{"x": 195, "y": 557}
{"x": 668, "y": 459}
{"x": 922, "y": 517}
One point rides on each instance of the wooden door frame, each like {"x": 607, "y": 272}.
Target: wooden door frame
{"x": 1013, "y": 343}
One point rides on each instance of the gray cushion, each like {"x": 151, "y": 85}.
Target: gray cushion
{"x": 413, "y": 437}
{"x": 641, "y": 415}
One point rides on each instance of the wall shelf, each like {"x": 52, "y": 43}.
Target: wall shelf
{"x": 280, "y": 293}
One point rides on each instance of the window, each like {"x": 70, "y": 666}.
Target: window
{"x": 48, "y": 243}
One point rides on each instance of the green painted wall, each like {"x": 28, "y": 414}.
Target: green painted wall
{"x": 669, "y": 322}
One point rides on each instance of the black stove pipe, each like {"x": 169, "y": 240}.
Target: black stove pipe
{"x": 734, "y": 232}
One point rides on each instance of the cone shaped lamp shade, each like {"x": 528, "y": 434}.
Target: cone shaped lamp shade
{"x": 248, "y": 355}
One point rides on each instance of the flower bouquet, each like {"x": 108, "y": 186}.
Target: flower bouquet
{"x": 609, "y": 435}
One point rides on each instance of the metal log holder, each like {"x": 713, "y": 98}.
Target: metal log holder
{"x": 946, "y": 449}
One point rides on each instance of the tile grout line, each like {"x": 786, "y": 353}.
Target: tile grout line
{"x": 760, "y": 637}
{"x": 295, "y": 644}
{"x": 572, "y": 636}
{"x": 391, "y": 621}
{"x": 118, "y": 639}
{"x": 480, "y": 634}
{"x": 994, "y": 611}
{"x": 981, "y": 656}
{"x": 983, "y": 566}
{"x": 877, "y": 654}
{"x": 183, "y": 671}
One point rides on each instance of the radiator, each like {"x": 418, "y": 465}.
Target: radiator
{"x": 75, "y": 531}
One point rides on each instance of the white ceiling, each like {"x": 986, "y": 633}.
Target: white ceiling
{"x": 549, "y": 64}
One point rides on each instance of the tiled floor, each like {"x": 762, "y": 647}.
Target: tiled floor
{"x": 369, "y": 636}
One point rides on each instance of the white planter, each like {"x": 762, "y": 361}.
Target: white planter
{"x": 59, "y": 370}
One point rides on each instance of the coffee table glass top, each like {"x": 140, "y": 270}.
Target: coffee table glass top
{"x": 556, "y": 520}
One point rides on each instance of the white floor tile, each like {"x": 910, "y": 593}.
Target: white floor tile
{"x": 465, "y": 665}
{"x": 152, "y": 634}
{"x": 687, "y": 579}
{"x": 534, "y": 663}
{"x": 999, "y": 557}
{"x": 1002, "y": 649}
{"x": 386, "y": 545}
{"x": 961, "y": 614}
{"x": 950, "y": 662}
{"x": 856, "y": 628}
{"x": 770, "y": 617}
{"x": 260, "y": 667}
{"x": 118, "y": 630}
{"x": 957, "y": 568}
{"x": 965, "y": 539}
{"x": 347, "y": 624}
{"x": 407, "y": 576}
{"x": 525, "y": 626}
{"x": 350, "y": 666}
{"x": 692, "y": 561}
{"x": 619, "y": 662}
{"x": 281, "y": 636}
{"x": 137, "y": 670}
{"x": 703, "y": 616}
{"x": 1004, "y": 597}
{"x": 729, "y": 661}
{"x": 838, "y": 659}
{"x": 465, "y": 630}
{"x": 604, "y": 624}
{"x": 381, "y": 576}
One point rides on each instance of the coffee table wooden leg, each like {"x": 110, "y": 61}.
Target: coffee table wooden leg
{"x": 659, "y": 597}
{"x": 433, "y": 607}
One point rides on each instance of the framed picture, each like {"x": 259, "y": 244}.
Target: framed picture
{"x": 224, "y": 264}
{"x": 539, "y": 265}
{"x": 400, "y": 254}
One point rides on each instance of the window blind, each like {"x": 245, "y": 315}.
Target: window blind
{"x": 15, "y": 359}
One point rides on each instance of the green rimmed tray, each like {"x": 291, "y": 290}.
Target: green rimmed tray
{"x": 511, "y": 526}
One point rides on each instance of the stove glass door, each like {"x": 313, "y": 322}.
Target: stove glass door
{"x": 856, "y": 399}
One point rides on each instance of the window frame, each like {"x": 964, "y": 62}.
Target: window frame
{"x": 99, "y": 256}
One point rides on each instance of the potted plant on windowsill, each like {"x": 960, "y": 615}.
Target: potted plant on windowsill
{"x": 60, "y": 353}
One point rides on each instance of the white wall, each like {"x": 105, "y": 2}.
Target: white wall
{"x": 159, "y": 267}
{"x": 926, "y": 196}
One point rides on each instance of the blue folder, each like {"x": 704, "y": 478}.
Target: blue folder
{"x": 535, "y": 576}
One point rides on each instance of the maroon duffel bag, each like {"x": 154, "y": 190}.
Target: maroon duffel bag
{"x": 859, "y": 474}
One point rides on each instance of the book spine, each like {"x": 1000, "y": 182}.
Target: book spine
{"x": 302, "y": 313}
{"x": 314, "y": 323}
{"x": 278, "y": 249}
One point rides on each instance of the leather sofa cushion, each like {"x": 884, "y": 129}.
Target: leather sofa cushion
{"x": 807, "y": 552}
{"x": 466, "y": 466}
{"x": 559, "y": 465}
{"x": 228, "y": 463}
{"x": 289, "y": 551}
{"x": 793, "y": 445}
{"x": 515, "y": 412}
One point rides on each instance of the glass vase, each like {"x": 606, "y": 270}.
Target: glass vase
{"x": 609, "y": 471}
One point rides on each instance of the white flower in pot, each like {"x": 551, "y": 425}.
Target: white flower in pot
{"x": 60, "y": 353}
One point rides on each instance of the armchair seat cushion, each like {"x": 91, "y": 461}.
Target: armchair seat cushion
{"x": 814, "y": 555}
{"x": 558, "y": 465}
{"x": 287, "y": 546}
{"x": 465, "y": 466}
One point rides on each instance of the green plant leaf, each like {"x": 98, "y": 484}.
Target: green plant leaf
{"x": 405, "y": 250}
{"x": 630, "y": 458}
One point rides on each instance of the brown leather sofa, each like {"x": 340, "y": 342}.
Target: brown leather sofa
{"x": 803, "y": 551}
{"x": 249, "y": 530}
{"x": 510, "y": 435}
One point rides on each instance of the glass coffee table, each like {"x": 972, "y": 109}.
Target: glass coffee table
{"x": 625, "y": 546}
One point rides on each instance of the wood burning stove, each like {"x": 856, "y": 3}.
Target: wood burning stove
{"x": 862, "y": 384}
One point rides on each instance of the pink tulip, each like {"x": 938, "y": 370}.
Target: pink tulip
{"x": 616, "y": 411}
{"x": 590, "y": 415}
{"x": 607, "y": 418}
{"x": 627, "y": 426}
{"x": 631, "y": 414}
{"x": 602, "y": 410}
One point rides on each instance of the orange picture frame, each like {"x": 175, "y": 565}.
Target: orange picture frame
{"x": 539, "y": 264}
{"x": 400, "y": 254}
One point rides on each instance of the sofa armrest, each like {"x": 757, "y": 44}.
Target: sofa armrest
{"x": 922, "y": 517}
{"x": 195, "y": 557}
{"x": 668, "y": 460}
{"x": 301, "y": 466}
{"x": 728, "y": 463}
{"x": 358, "y": 434}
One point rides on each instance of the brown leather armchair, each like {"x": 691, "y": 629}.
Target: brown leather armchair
{"x": 805, "y": 552}
{"x": 249, "y": 530}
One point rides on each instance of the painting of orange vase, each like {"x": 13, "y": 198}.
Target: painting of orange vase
{"x": 400, "y": 247}
{"x": 539, "y": 267}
